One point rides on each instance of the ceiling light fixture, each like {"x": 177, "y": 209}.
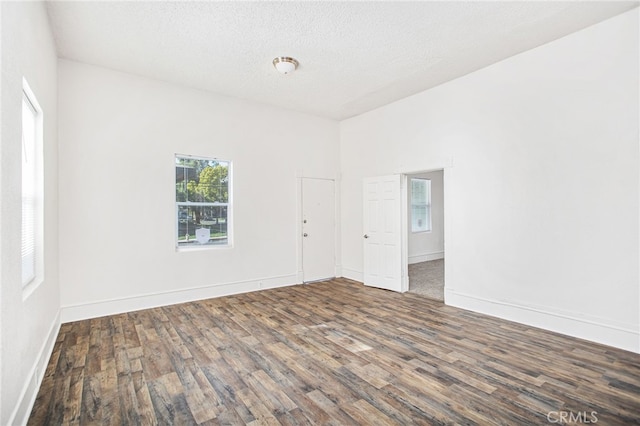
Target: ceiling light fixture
{"x": 285, "y": 65}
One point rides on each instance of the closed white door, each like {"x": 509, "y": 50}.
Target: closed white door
{"x": 382, "y": 232}
{"x": 318, "y": 229}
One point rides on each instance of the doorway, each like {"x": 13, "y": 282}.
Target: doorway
{"x": 425, "y": 233}
{"x": 318, "y": 229}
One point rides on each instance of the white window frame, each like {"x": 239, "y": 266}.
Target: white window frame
{"x": 228, "y": 205}
{"x": 427, "y": 205}
{"x": 32, "y": 187}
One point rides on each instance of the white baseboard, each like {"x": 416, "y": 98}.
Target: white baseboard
{"x": 425, "y": 257}
{"x": 27, "y": 398}
{"x": 599, "y": 330}
{"x": 136, "y": 303}
{"x": 352, "y": 274}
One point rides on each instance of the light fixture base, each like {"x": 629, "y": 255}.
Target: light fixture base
{"x": 285, "y": 64}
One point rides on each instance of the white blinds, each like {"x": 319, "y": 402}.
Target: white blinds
{"x": 420, "y": 205}
{"x": 29, "y": 189}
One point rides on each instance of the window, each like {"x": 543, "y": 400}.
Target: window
{"x": 420, "y": 205}
{"x": 203, "y": 202}
{"x": 32, "y": 188}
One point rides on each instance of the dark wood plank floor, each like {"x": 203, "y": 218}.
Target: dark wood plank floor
{"x": 329, "y": 353}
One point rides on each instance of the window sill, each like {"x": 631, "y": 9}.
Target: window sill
{"x": 30, "y": 288}
{"x": 203, "y": 248}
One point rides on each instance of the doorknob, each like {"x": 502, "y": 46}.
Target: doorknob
{"x": 305, "y": 235}
{"x": 366, "y": 236}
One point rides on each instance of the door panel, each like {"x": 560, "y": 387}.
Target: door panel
{"x": 382, "y": 232}
{"x": 318, "y": 229}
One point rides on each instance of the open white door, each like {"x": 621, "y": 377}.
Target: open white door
{"x": 383, "y": 232}
{"x": 318, "y": 227}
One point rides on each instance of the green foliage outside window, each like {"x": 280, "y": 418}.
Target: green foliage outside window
{"x": 202, "y": 197}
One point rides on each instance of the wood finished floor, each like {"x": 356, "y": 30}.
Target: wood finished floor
{"x": 328, "y": 353}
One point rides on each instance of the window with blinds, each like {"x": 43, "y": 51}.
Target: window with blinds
{"x": 420, "y": 205}
{"x": 31, "y": 184}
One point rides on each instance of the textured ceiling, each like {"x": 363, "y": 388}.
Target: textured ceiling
{"x": 354, "y": 56}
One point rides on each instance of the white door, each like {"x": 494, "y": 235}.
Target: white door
{"x": 318, "y": 229}
{"x": 383, "y": 232}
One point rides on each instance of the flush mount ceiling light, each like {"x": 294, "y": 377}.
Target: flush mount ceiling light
{"x": 285, "y": 65}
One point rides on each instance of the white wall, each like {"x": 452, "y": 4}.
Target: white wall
{"x": 118, "y": 136}
{"x": 29, "y": 326}
{"x": 425, "y": 246}
{"x": 540, "y": 157}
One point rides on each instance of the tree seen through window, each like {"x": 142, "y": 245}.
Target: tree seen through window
{"x": 202, "y": 201}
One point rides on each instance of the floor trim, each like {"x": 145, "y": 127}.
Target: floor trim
{"x": 425, "y": 257}
{"x": 27, "y": 398}
{"x": 622, "y": 336}
{"x": 352, "y": 274}
{"x": 136, "y": 303}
